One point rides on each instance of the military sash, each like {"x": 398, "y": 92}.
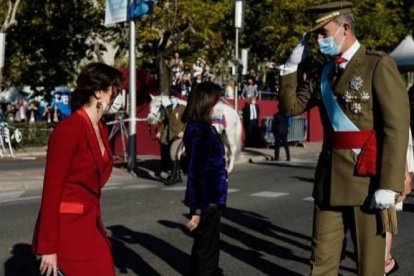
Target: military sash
{"x": 338, "y": 119}
{"x": 346, "y": 134}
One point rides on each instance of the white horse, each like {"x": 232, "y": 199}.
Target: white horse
{"x": 225, "y": 120}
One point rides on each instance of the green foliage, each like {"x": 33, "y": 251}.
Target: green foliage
{"x": 49, "y": 42}
{"x": 193, "y": 28}
{"x": 380, "y": 24}
{"x": 273, "y": 28}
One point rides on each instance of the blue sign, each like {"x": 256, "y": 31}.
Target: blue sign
{"x": 140, "y": 8}
{"x": 62, "y": 101}
{"x": 116, "y": 11}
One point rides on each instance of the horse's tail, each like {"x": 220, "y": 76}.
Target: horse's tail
{"x": 234, "y": 125}
{"x": 239, "y": 136}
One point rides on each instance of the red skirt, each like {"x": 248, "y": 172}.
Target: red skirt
{"x": 102, "y": 264}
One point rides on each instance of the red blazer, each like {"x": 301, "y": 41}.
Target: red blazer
{"x": 74, "y": 176}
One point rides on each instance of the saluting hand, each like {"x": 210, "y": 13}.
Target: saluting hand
{"x": 193, "y": 222}
{"x": 298, "y": 54}
{"x": 48, "y": 265}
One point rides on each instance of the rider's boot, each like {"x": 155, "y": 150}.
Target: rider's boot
{"x": 178, "y": 178}
{"x": 172, "y": 179}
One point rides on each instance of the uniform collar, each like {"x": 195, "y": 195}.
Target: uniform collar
{"x": 348, "y": 54}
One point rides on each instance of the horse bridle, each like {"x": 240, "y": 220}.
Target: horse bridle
{"x": 153, "y": 128}
{"x": 156, "y": 114}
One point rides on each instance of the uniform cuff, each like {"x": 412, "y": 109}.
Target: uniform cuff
{"x": 287, "y": 69}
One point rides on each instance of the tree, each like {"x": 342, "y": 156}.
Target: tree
{"x": 10, "y": 18}
{"x": 53, "y": 37}
{"x": 67, "y": 32}
{"x": 108, "y": 44}
{"x": 273, "y": 28}
{"x": 44, "y": 50}
{"x": 380, "y": 24}
{"x": 191, "y": 27}
{"x": 9, "y": 21}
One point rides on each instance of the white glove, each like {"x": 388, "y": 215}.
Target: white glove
{"x": 383, "y": 199}
{"x": 297, "y": 54}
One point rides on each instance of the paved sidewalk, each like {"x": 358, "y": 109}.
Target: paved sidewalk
{"x": 303, "y": 151}
{"x": 22, "y": 179}
{"x": 306, "y": 150}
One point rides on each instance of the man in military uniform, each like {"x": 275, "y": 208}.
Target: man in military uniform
{"x": 365, "y": 114}
{"x": 175, "y": 132}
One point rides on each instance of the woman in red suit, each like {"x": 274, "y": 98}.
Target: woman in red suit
{"x": 69, "y": 234}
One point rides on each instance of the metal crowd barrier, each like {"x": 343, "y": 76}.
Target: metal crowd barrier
{"x": 298, "y": 129}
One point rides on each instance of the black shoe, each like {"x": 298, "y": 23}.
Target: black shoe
{"x": 157, "y": 174}
{"x": 170, "y": 182}
{"x": 394, "y": 268}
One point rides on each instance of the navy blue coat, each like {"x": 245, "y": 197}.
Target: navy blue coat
{"x": 207, "y": 175}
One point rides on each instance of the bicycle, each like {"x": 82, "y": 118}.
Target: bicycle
{"x": 119, "y": 125}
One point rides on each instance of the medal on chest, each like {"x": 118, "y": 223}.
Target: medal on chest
{"x": 354, "y": 97}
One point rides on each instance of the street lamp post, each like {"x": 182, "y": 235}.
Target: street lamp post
{"x": 238, "y": 22}
{"x": 2, "y": 50}
{"x": 132, "y": 147}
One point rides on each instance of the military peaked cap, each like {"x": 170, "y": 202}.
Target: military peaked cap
{"x": 325, "y": 13}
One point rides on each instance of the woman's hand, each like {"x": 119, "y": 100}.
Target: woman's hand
{"x": 408, "y": 180}
{"x": 193, "y": 222}
{"x": 407, "y": 185}
{"x": 48, "y": 265}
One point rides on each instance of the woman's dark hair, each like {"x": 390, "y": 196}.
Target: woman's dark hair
{"x": 94, "y": 77}
{"x": 201, "y": 101}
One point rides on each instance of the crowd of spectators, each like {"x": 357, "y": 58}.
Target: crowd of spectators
{"x": 29, "y": 111}
{"x": 183, "y": 78}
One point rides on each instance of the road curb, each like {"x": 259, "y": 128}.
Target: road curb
{"x": 34, "y": 179}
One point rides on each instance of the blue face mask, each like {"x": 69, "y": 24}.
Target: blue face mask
{"x": 174, "y": 101}
{"x": 329, "y": 47}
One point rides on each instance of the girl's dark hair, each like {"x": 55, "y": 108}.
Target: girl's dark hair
{"x": 201, "y": 101}
{"x": 93, "y": 77}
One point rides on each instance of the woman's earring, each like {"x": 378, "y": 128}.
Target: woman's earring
{"x": 99, "y": 104}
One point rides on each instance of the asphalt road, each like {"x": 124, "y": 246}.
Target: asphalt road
{"x": 266, "y": 229}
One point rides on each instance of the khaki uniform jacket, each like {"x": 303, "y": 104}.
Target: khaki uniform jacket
{"x": 386, "y": 111}
{"x": 173, "y": 121}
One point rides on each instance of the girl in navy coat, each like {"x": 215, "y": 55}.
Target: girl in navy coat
{"x": 207, "y": 178}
